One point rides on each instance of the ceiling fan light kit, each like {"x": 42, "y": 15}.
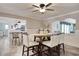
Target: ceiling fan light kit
{"x": 42, "y": 10}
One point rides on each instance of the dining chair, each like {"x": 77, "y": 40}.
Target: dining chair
{"x": 52, "y": 45}
{"x": 29, "y": 45}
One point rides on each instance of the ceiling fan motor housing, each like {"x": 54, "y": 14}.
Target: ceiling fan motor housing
{"x": 42, "y": 6}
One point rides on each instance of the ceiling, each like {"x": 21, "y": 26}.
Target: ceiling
{"x": 25, "y": 10}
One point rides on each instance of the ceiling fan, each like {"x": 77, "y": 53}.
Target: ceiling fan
{"x": 43, "y": 7}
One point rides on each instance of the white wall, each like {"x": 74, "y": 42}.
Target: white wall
{"x": 72, "y": 39}
{"x": 73, "y": 16}
{"x": 33, "y": 26}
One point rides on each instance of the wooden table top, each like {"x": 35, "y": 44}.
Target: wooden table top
{"x": 49, "y": 34}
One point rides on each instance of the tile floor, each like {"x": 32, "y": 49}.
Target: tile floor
{"x": 6, "y": 49}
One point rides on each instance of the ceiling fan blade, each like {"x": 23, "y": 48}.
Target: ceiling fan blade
{"x": 50, "y": 9}
{"x": 35, "y": 6}
{"x": 48, "y": 4}
{"x": 34, "y": 10}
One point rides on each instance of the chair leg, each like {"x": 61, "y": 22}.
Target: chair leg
{"x": 63, "y": 48}
{"x": 27, "y": 51}
{"x": 32, "y": 49}
{"x": 58, "y": 50}
{"x": 50, "y": 51}
{"x": 23, "y": 50}
{"x": 12, "y": 41}
{"x": 38, "y": 50}
{"x": 15, "y": 41}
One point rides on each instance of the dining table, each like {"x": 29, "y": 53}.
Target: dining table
{"x": 40, "y": 36}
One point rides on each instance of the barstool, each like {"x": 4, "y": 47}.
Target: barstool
{"x": 16, "y": 38}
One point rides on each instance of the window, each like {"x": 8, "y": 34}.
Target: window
{"x": 64, "y": 26}
{"x": 6, "y": 26}
{"x": 67, "y": 27}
